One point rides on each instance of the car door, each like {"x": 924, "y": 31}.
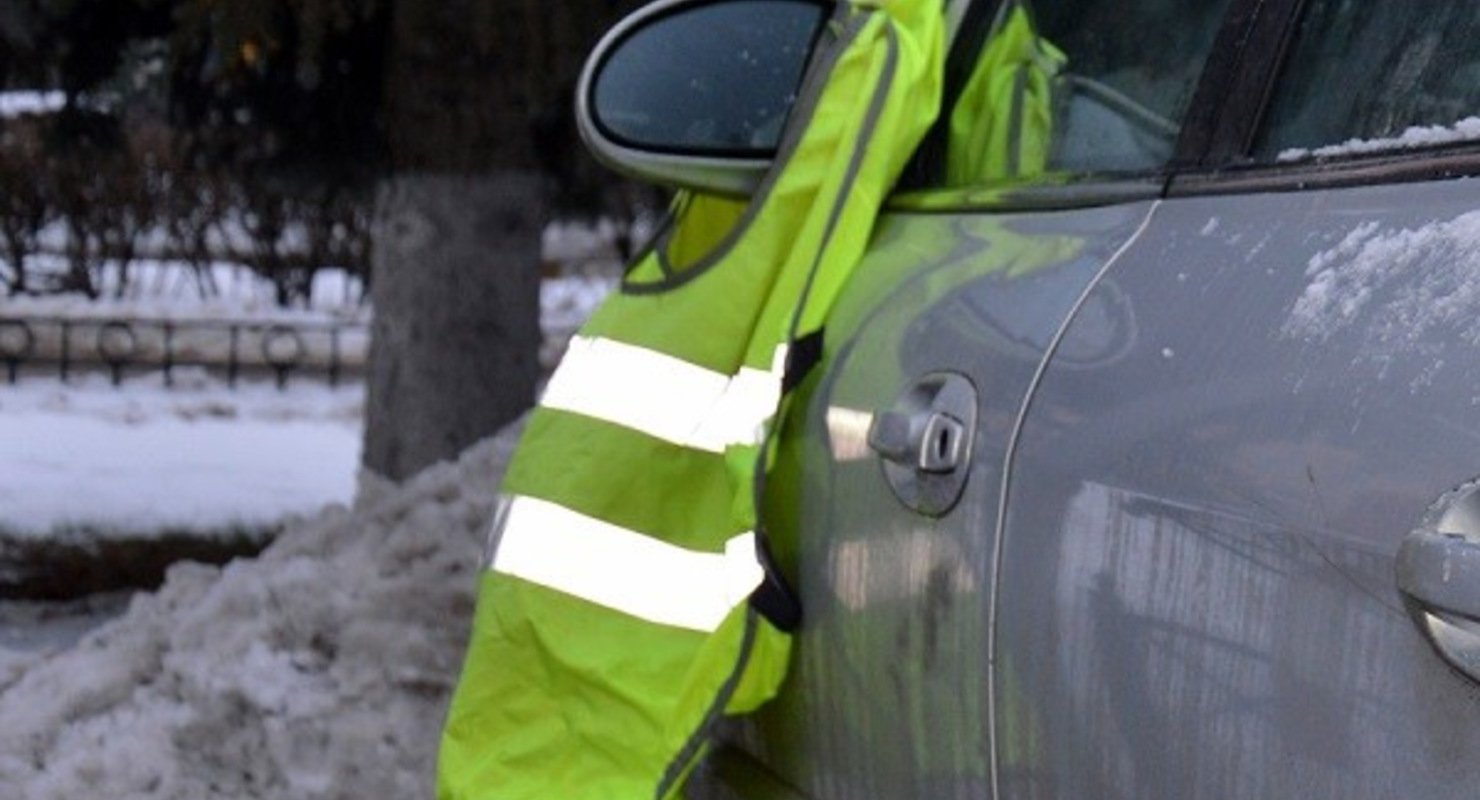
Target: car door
{"x": 947, "y": 319}
{"x": 1202, "y": 594}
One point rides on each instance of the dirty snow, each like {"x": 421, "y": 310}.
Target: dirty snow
{"x": 30, "y": 628}
{"x": 1465, "y": 130}
{"x": 319, "y": 670}
{"x": 1358, "y": 279}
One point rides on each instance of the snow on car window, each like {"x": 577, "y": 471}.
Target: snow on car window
{"x": 1466, "y": 130}
{"x": 1376, "y": 75}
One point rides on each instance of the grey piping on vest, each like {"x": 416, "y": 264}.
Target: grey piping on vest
{"x": 694, "y": 747}
{"x": 855, "y": 163}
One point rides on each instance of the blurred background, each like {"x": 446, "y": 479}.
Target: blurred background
{"x": 221, "y": 194}
{"x": 264, "y": 265}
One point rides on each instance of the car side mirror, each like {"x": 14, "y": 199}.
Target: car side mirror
{"x": 695, "y": 93}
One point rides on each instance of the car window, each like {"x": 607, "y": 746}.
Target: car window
{"x": 1129, "y": 78}
{"x": 1376, "y": 75}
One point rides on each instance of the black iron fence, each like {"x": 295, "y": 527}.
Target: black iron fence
{"x": 126, "y": 348}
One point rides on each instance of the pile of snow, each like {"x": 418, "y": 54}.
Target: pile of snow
{"x": 89, "y": 456}
{"x": 1466, "y": 130}
{"x": 319, "y": 670}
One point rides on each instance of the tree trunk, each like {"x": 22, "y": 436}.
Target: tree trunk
{"x": 455, "y": 278}
{"x": 455, "y": 341}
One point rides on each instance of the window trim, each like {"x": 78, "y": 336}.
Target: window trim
{"x": 1237, "y": 86}
{"x": 1444, "y": 162}
{"x": 1224, "y": 165}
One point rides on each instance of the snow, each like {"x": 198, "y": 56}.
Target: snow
{"x": 589, "y": 246}
{"x": 28, "y": 629}
{"x": 87, "y": 456}
{"x": 1466, "y": 130}
{"x": 565, "y": 304}
{"x": 1357, "y": 279}
{"x": 14, "y": 104}
{"x": 319, "y": 670}
{"x": 202, "y": 455}
{"x": 170, "y": 290}
{"x": 229, "y": 237}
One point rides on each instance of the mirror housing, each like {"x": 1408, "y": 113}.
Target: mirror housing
{"x": 695, "y": 93}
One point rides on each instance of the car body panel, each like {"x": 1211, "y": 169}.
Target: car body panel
{"x": 1197, "y": 586}
{"x": 888, "y": 691}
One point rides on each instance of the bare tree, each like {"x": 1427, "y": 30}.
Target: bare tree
{"x": 126, "y": 208}
{"x": 24, "y": 205}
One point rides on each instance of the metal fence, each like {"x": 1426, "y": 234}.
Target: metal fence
{"x": 126, "y": 348}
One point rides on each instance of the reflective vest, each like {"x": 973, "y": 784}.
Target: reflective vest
{"x": 1001, "y": 127}
{"x": 628, "y": 602}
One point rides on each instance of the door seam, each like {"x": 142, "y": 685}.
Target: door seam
{"x": 1006, "y": 484}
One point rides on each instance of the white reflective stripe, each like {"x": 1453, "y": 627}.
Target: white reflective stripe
{"x": 665, "y": 397}
{"x": 623, "y": 570}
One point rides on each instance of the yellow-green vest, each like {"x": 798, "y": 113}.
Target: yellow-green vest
{"x": 1001, "y": 126}
{"x": 628, "y": 602}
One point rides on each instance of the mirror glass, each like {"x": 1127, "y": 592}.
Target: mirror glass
{"x": 708, "y": 80}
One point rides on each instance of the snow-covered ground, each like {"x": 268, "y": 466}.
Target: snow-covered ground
{"x": 88, "y": 456}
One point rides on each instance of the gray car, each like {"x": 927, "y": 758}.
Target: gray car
{"x": 1154, "y": 477}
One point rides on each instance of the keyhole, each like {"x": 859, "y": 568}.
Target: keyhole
{"x": 943, "y": 444}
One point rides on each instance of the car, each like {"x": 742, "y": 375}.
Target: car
{"x": 1197, "y": 515}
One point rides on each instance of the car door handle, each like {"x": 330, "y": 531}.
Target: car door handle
{"x": 931, "y": 441}
{"x": 1439, "y": 574}
{"x": 925, "y": 441}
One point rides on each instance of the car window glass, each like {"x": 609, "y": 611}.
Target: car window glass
{"x": 1368, "y": 75}
{"x": 1130, "y": 75}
